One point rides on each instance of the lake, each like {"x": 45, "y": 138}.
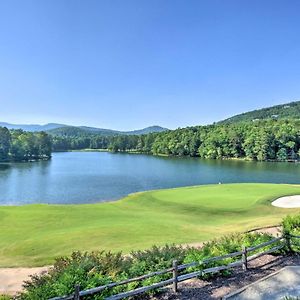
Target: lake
{"x": 89, "y": 177}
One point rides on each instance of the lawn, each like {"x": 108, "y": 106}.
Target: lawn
{"x": 33, "y": 235}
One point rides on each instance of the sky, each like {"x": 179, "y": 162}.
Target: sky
{"x": 130, "y": 64}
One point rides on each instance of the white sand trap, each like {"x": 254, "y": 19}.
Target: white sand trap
{"x": 287, "y": 202}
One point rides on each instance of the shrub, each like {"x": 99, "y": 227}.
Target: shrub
{"x": 94, "y": 269}
{"x": 84, "y": 269}
{"x": 5, "y": 297}
{"x": 291, "y": 225}
{"x": 155, "y": 258}
{"x": 223, "y": 246}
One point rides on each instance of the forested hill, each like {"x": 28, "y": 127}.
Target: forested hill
{"x": 284, "y": 111}
{"x": 31, "y": 127}
{"x": 68, "y": 130}
{"x": 261, "y": 140}
{"x": 275, "y": 135}
{"x": 74, "y": 131}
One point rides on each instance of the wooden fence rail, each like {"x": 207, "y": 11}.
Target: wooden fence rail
{"x": 284, "y": 241}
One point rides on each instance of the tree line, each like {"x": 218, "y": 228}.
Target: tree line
{"x": 284, "y": 111}
{"x": 18, "y": 145}
{"x": 256, "y": 140}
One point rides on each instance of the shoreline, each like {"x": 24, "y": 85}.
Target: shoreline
{"x": 26, "y": 161}
{"x": 178, "y": 156}
{"x": 173, "y": 216}
{"x": 151, "y": 191}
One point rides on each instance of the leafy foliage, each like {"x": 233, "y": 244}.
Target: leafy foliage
{"x": 291, "y": 225}
{"x": 94, "y": 269}
{"x": 223, "y": 246}
{"x": 5, "y": 141}
{"x": 259, "y": 140}
{"x": 5, "y": 297}
{"x": 289, "y": 110}
{"x": 18, "y": 145}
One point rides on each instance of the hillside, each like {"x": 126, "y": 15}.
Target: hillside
{"x": 67, "y": 130}
{"x": 32, "y": 127}
{"x": 284, "y": 111}
{"x": 73, "y": 131}
{"x": 146, "y": 130}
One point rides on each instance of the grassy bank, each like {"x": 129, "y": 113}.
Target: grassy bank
{"x": 34, "y": 235}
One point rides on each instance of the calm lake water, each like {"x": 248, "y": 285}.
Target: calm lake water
{"x": 88, "y": 177}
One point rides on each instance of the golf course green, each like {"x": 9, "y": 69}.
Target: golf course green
{"x": 33, "y": 235}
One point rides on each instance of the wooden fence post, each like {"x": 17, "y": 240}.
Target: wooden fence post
{"x": 76, "y": 294}
{"x": 288, "y": 242}
{"x": 175, "y": 276}
{"x": 244, "y": 258}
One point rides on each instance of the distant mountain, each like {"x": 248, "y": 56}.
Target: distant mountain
{"x": 284, "y": 111}
{"x": 146, "y": 130}
{"x": 31, "y": 127}
{"x": 80, "y": 131}
{"x": 67, "y": 130}
{"x": 83, "y": 130}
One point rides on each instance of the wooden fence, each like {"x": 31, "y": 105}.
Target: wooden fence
{"x": 244, "y": 253}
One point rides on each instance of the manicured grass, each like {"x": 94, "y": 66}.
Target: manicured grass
{"x": 34, "y": 235}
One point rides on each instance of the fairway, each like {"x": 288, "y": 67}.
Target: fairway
{"x": 33, "y": 235}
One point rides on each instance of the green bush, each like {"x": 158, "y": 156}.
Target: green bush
{"x": 291, "y": 225}
{"x": 155, "y": 258}
{"x": 94, "y": 269}
{"x": 5, "y": 297}
{"x": 223, "y": 246}
{"x": 84, "y": 269}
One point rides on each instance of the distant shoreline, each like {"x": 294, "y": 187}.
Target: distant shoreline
{"x": 8, "y": 161}
{"x": 178, "y": 156}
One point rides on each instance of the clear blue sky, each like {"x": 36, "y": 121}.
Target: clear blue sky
{"x": 127, "y": 64}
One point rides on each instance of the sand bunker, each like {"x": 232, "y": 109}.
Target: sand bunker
{"x": 287, "y": 202}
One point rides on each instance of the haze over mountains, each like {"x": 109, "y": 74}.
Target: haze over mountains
{"x": 289, "y": 110}
{"x": 62, "y": 129}
{"x": 84, "y": 130}
{"x": 31, "y": 127}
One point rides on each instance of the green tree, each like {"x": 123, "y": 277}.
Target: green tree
{"x": 281, "y": 154}
{"x": 5, "y": 143}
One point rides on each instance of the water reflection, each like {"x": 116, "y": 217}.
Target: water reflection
{"x": 79, "y": 177}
